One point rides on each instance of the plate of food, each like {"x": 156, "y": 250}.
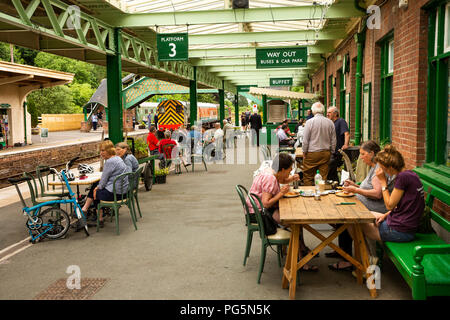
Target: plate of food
{"x": 291, "y": 194}
{"x": 307, "y": 193}
{"x": 344, "y": 194}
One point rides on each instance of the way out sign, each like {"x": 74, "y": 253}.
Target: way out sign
{"x": 281, "y": 58}
{"x": 172, "y": 46}
{"x": 280, "y": 82}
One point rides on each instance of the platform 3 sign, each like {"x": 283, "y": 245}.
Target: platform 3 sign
{"x": 172, "y": 46}
{"x": 281, "y": 58}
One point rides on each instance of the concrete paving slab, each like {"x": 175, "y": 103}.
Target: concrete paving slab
{"x": 189, "y": 245}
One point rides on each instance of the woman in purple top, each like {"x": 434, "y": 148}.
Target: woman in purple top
{"x": 405, "y": 204}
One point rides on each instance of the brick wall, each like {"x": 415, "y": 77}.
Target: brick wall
{"x": 53, "y": 157}
{"x": 409, "y": 28}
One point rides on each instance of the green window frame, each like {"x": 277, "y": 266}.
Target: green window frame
{"x": 331, "y": 84}
{"x": 438, "y": 112}
{"x": 341, "y": 93}
{"x": 387, "y": 75}
{"x": 366, "y": 111}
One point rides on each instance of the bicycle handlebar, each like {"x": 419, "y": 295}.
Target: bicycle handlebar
{"x": 18, "y": 180}
{"x": 44, "y": 169}
{"x": 70, "y": 163}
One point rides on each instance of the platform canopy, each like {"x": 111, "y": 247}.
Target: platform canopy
{"x": 30, "y": 78}
{"x": 222, "y": 40}
{"x": 282, "y": 94}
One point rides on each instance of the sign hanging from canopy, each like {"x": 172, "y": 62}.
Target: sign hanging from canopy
{"x": 280, "y": 82}
{"x": 172, "y": 46}
{"x": 294, "y": 57}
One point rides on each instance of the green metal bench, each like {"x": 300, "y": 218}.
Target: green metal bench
{"x": 425, "y": 262}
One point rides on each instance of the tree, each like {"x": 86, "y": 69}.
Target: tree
{"x": 81, "y": 93}
{"x": 5, "y": 53}
{"x": 84, "y": 72}
{"x": 51, "y": 100}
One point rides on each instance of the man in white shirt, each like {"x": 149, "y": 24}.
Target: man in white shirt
{"x": 319, "y": 142}
{"x": 218, "y": 140}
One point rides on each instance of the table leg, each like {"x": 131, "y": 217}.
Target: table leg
{"x": 365, "y": 260}
{"x": 357, "y": 243}
{"x": 290, "y": 269}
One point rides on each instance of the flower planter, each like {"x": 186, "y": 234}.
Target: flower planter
{"x": 160, "y": 179}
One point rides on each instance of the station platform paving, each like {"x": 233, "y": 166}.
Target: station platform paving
{"x": 189, "y": 245}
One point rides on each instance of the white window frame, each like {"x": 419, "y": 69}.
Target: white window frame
{"x": 436, "y": 34}
{"x": 391, "y": 56}
{"x": 446, "y": 31}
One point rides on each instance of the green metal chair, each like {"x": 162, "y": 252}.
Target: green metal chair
{"x": 251, "y": 227}
{"x": 41, "y": 172}
{"x": 32, "y": 186}
{"x": 137, "y": 176}
{"x": 167, "y": 153}
{"x": 279, "y": 239}
{"x": 117, "y": 203}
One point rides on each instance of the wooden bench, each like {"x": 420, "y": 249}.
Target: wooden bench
{"x": 424, "y": 262}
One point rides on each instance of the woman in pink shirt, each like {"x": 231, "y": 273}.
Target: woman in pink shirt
{"x": 267, "y": 186}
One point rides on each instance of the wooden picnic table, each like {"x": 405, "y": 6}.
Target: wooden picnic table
{"x": 301, "y": 212}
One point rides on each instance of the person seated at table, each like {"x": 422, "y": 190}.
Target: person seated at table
{"x": 299, "y": 124}
{"x": 300, "y": 129}
{"x": 113, "y": 167}
{"x": 368, "y": 192}
{"x": 283, "y": 138}
{"x": 124, "y": 152}
{"x": 152, "y": 141}
{"x": 404, "y": 206}
{"x": 167, "y": 140}
{"x": 266, "y": 185}
{"x": 288, "y": 131}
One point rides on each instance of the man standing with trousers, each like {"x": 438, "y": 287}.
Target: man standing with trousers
{"x": 342, "y": 140}
{"x": 319, "y": 141}
{"x": 256, "y": 125}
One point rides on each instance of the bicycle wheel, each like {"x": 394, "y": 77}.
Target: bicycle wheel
{"x": 148, "y": 177}
{"x": 55, "y": 223}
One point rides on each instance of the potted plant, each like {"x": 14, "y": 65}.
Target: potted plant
{"x": 160, "y": 175}
{"x": 142, "y": 125}
{"x": 140, "y": 148}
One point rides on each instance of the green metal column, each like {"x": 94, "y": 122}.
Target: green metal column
{"x": 299, "y": 108}
{"x": 264, "y": 106}
{"x": 193, "y": 98}
{"x": 236, "y": 109}
{"x": 85, "y": 114}
{"x": 221, "y": 104}
{"x": 114, "y": 85}
{"x": 303, "y": 108}
{"x": 25, "y": 120}
{"x": 325, "y": 82}
{"x": 359, "y": 38}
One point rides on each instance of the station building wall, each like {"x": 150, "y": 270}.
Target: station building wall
{"x": 408, "y": 27}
